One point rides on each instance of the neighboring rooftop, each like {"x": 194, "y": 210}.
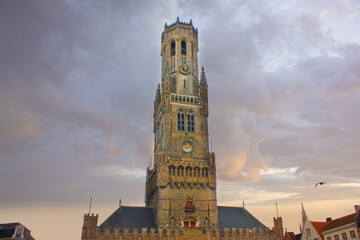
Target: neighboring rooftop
{"x": 340, "y": 222}
{"x": 319, "y": 227}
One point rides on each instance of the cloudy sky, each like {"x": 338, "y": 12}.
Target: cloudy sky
{"x": 78, "y": 80}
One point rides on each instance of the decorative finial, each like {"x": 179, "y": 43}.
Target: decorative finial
{"x": 178, "y": 20}
{"x": 120, "y": 202}
{"x": 190, "y": 21}
{"x": 166, "y": 25}
{"x": 243, "y": 204}
{"x": 203, "y": 80}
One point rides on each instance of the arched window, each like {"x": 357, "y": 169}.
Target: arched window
{"x": 191, "y": 122}
{"x": 172, "y": 49}
{"x": 183, "y": 47}
{"x": 204, "y": 172}
{"x": 197, "y": 172}
{"x": 192, "y": 51}
{"x": 172, "y": 170}
{"x": 188, "y": 171}
{"x": 181, "y": 121}
{"x": 172, "y": 223}
{"x": 180, "y": 171}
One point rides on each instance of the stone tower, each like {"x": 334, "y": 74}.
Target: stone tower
{"x": 181, "y": 187}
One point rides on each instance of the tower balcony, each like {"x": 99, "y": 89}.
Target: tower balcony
{"x": 188, "y": 99}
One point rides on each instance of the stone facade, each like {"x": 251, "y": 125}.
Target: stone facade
{"x": 181, "y": 186}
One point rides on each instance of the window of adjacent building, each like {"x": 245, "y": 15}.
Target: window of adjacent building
{"x": 328, "y": 238}
{"x": 183, "y": 47}
{"x": 181, "y": 121}
{"x": 18, "y": 233}
{"x": 352, "y": 234}
{"x": 344, "y": 236}
{"x": 336, "y": 237}
{"x": 172, "y": 49}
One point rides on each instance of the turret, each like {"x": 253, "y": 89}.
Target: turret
{"x": 89, "y": 230}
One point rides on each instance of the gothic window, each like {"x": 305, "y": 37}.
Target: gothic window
{"x": 183, "y": 47}
{"x": 204, "y": 172}
{"x": 172, "y": 49}
{"x": 181, "y": 121}
{"x": 172, "y": 170}
{"x": 184, "y": 84}
{"x": 172, "y": 66}
{"x": 206, "y": 223}
{"x": 197, "y": 172}
{"x": 180, "y": 171}
{"x": 187, "y": 99}
{"x": 172, "y": 97}
{"x": 188, "y": 171}
{"x": 191, "y": 122}
{"x": 172, "y": 224}
{"x": 183, "y": 61}
{"x": 192, "y": 51}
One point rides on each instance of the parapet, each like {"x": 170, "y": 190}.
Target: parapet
{"x": 180, "y": 24}
{"x": 202, "y": 234}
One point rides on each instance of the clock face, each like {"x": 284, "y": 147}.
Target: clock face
{"x": 187, "y": 146}
{"x": 185, "y": 69}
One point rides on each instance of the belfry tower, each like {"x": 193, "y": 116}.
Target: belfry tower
{"x": 181, "y": 187}
{"x": 180, "y": 194}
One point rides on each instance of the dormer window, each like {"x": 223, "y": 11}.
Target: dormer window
{"x": 183, "y": 47}
{"x": 172, "y": 49}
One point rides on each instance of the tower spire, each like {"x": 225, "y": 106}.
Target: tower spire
{"x": 203, "y": 80}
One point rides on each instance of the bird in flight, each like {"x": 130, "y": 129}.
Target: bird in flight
{"x": 320, "y": 183}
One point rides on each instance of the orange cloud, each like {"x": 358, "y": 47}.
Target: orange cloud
{"x": 114, "y": 150}
{"x": 18, "y": 125}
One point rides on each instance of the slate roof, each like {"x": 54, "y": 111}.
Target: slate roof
{"x": 340, "y": 222}
{"x": 237, "y": 217}
{"x": 130, "y": 217}
{"x": 143, "y": 217}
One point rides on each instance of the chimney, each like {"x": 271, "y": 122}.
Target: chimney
{"x": 357, "y": 208}
{"x": 328, "y": 219}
